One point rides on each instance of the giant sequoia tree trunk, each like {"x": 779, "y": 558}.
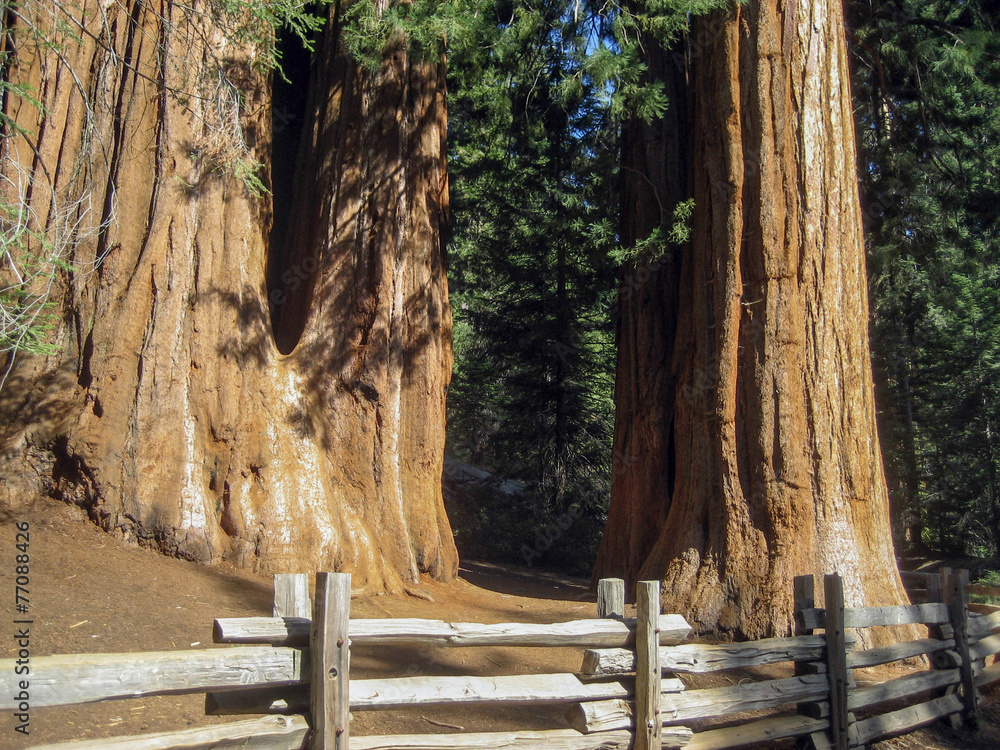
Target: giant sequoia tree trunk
{"x": 171, "y": 414}
{"x": 778, "y": 467}
{"x": 653, "y": 182}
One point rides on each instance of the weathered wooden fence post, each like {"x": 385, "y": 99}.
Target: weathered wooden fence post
{"x": 329, "y": 695}
{"x": 291, "y": 599}
{"x": 611, "y": 598}
{"x": 648, "y": 724}
{"x": 958, "y": 610}
{"x": 933, "y": 584}
{"x": 804, "y": 592}
{"x": 805, "y": 598}
{"x": 291, "y": 595}
{"x": 836, "y": 660}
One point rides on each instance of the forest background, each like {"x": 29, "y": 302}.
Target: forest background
{"x": 536, "y": 272}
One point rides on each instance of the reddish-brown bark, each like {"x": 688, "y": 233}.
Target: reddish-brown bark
{"x": 171, "y": 414}
{"x": 653, "y": 169}
{"x": 777, "y": 461}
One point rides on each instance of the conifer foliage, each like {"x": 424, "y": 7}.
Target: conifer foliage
{"x": 926, "y": 84}
{"x": 533, "y": 166}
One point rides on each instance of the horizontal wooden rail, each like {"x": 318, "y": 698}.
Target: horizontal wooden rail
{"x": 988, "y": 675}
{"x": 556, "y": 739}
{"x": 288, "y": 733}
{"x": 974, "y": 588}
{"x": 384, "y": 632}
{"x": 902, "y": 687}
{"x": 980, "y": 625}
{"x": 985, "y": 647}
{"x": 84, "y": 678}
{"x": 269, "y": 733}
{"x": 601, "y": 716}
{"x": 904, "y": 720}
{"x": 868, "y": 617}
{"x": 762, "y": 730}
{"x": 706, "y": 657}
{"x": 896, "y": 651}
{"x": 539, "y": 688}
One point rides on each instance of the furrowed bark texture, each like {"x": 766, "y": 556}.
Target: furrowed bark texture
{"x": 171, "y": 415}
{"x": 653, "y": 182}
{"x": 778, "y": 466}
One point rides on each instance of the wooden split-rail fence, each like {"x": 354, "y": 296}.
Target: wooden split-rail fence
{"x": 629, "y": 693}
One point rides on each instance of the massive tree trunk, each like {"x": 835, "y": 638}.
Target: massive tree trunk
{"x": 777, "y": 461}
{"x": 171, "y": 414}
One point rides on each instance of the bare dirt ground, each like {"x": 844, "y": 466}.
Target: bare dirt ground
{"x": 90, "y": 593}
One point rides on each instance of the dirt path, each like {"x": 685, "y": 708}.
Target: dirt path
{"x": 91, "y": 593}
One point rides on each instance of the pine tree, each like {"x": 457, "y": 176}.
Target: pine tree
{"x": 926, "y": 78}
{"x": 534, "y": 155}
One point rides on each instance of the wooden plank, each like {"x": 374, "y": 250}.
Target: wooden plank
{"x": 836, "y": 659}
{"x": 329, "y": 692}
{"x": 278, "y": 631}
{"x": 65, "y": 680}
{"x": 984, "y": 647}
{"x": 983, "y": 609}
{"x": 269, "y": 733}
{"x": 805, "y": 599}
{"x": 933, "y": 584}
{"x": 804, "y": 593}
{"x": 959, "y": 623}
{"x": 611, "y": 598}
{"x": 541, "y": 688}
{"x": 582, "y": 633}
{"x": 647, "y": 667}
{"x": 905, "y": 650}
{"x": 981, "y": 625}
{"x": 904, "y": 720}
{"x": 746, "y": 697}
{"x": 947, "y": 659}
{"x": 902, "y": 687}
{"x": 820, "y": 741}
{"x": 84, "y": 678}
{"x": 763, "y": 730}
{"x": 291, "y": 595}
{"x": 977, "y": 590}
{"x": 934, "y": 613}
{"x": 600, "y": 716}
{"x": 989, "y": 675}
{"x": 557, "y": 739}
{"x": 709, "y": 657}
